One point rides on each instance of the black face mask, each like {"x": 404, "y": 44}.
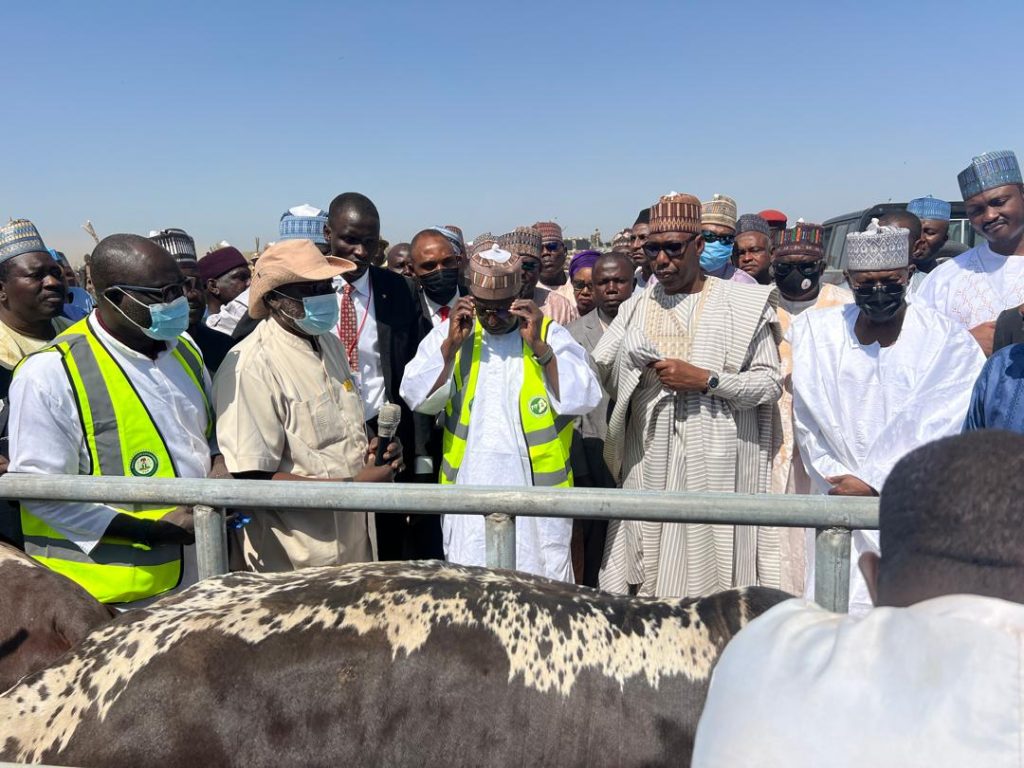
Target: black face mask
{"x": 880, "y": 302}
{"x": 797, "y": 279}
{"x": 441, "y": 284}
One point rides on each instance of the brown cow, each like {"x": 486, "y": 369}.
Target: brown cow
{"x": 42, "y": 614}
{"x": 396, "y": 664}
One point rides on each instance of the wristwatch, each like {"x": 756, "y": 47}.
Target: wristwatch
{"x": 712, "y": 383}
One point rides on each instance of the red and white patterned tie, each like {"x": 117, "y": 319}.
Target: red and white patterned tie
{"x": 347, "y": 330}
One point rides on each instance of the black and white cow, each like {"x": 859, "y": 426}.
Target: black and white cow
{"x": 414, "y": 664}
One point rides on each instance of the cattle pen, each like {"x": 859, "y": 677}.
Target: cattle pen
{"x": 832, "y": 517}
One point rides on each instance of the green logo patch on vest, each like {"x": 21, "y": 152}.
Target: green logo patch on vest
{"x": 539, "y": 406}
{"x": 144, "y": 464}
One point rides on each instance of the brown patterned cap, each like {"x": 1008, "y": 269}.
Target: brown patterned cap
{"x": 494, "y": 273}
{"x": 676, "y": 213}
{"x": 523, "y": 241}
{"x": 549, "y": 230}
{"x": 803, "y": 238}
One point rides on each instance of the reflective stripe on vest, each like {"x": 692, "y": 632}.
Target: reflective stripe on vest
{"x": 548, "y": 437}
{"x": 123, "y": 440}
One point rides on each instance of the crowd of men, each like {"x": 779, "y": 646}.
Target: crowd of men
{"x": 702, "y": 352}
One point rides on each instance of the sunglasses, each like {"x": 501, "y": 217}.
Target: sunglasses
{"x": 865, "y": 291}
{"x": 502, "y": 313}
{"x": 529, "y": 266}
{"x": 806, "y": 268}
{"x": 552, "y": 247}
{"x": 579, "y": 286}
{"x": 672, "y": 249}
{"x": 712, "y": 237}
{"x": 166, "y": 294}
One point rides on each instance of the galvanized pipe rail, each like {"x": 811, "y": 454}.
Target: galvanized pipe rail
{"x": 833, "y": 517}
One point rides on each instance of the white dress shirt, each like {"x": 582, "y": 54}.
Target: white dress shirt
{"x": 367, "y": 373}
{"x": 230, "y": 314}
{"x": 435, "y": 308}
{"x": 46, "y": 432}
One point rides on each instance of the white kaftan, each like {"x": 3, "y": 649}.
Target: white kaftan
{"x": 496, "y": 451}
{"x": 934, "y": 684}
{"x": 974, "y": 287}
{"x": 857, "y": 410}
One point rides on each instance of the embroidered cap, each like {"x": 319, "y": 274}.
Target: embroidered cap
{"x": 19, "y": 236}
{"x": 878, "y": 248}
{"x": 802, "y": 238}
{"x": 494, "y": 273}
{"x": 303, "y": 222}
{"x": 676, "y": 212}
{"x": 176, "y": 242}
{"x": 988, "y": 171}
{"x": 930, "y": 208}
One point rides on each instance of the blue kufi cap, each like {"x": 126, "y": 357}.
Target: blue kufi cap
{"x": 930, "y": 208}
{"x": 303, "y": 222}
{"x": 988, "y": 171}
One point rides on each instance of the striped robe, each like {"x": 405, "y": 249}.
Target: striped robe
{"x": 662, "y": 440}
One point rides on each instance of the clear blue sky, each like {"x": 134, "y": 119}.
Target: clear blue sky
{"x": 217, "y": 116}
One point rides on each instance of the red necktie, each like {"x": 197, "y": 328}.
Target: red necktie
{"x": 347, "y": 326}
{"x": 445, "y": 311}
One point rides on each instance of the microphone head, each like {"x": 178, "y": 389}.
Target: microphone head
{"x": 388, "y": 418}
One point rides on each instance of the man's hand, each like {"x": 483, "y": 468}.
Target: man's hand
{"x": 4, "y": 463}
{"x": 460, "y": 325}
{"x": 530, "y": 321}
{"x": 385, "y": 473}
{"x": 848, "y": 485}
{"x": 218, "y": 469}
{"x": 681, "y": 376}
{"x": 176, "y": 527}
{"x": 984, "y": 334}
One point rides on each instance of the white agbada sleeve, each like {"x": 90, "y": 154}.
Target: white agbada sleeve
{"x": 421, "y": 372}
{"x": 579, "y": 390}
{"x": 46, "y": 439}
{"x": 813, "y": 407}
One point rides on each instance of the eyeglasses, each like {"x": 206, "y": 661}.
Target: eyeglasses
{"x": 552, "y": 247}
{"x": 502, "y": 313}
{"x": 714, "y": 237}
{"x": 672, "y": 249}
{"x": 529, "y": 266}
{"x": 806, "y": 268}
{"x": 166, "y": 294}
{"x": 192, "y": 283}
{"x": 866, "y": 291}
{"x": 579, "y": 286}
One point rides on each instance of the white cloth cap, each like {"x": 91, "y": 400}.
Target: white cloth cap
{"x": 878, "y": 248}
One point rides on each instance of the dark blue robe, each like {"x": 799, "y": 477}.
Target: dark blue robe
{"x": 998, "y": 398}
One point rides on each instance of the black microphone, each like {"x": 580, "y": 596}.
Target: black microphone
{"x": 387, "y": 425}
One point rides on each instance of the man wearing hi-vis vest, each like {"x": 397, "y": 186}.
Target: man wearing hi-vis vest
{"x": 508, "y": 381}
{"x": 121, "y": 392}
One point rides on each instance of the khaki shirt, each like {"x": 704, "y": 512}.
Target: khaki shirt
{"x": 283, "y": 406}
{"x": 14, "y": 346}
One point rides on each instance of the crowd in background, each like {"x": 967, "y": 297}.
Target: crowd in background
{"x": 702, "y": 352}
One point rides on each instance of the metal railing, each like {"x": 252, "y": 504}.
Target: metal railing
{"x": 833, "y": 517}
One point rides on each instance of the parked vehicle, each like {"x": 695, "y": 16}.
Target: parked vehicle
{"x": 961, "y": 234}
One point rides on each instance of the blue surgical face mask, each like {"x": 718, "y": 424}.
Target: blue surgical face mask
{"x": 320, "y": 314}
{"x": 715, "y": 256}
{"x": 167, "y": 320}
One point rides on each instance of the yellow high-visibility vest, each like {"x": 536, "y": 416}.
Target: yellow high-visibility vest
{"x": 123, "y": 440}
{"x": 548, "y": 436}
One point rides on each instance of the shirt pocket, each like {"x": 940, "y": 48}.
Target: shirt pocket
{"x": 319, "y": 422}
